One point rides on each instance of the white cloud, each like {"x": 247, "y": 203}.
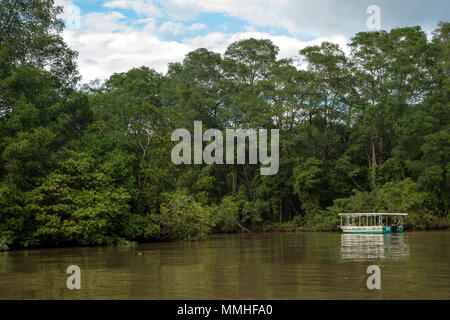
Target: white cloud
{"x": 317, "y": 18}
{"x": 94, "y": 22}
{"x": 141, "y": 7}
{"x": 197, "y": 27}
{"x": 71, "y": 14}
{"x": 174, "y": 28}
{"x": 109, "y": 42}
{"x": 257, "y": 12}
{"x": 106, "y": 43}
{"x": 101, "y": 53}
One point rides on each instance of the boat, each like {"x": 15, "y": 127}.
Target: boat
{"x": 372, "y": 222}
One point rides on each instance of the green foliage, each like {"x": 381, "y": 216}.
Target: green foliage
{"x": 182, "y": 218}
{"x": 141, "y": 228}
{"x": 401, "y": 196}
{"x": 308, "y": 183}
{"x": 30, "y": 33}
{"x": 226, "y": 215}
{"x": 323, "y": 221}
{"x": 77, "y": 205}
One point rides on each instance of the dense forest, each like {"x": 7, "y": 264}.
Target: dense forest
{"x": 91, "y": 164}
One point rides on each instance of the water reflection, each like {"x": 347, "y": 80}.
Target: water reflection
{"x": 373, "y": 246}
{"x": 3, "y": 261}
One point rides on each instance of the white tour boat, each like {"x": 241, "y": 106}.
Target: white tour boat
{"x": 372, "y": 222}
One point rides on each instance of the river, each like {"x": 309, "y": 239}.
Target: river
{"x": 303, "y": 265}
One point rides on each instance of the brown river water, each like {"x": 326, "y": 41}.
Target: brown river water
{"x": 303, "y": 265}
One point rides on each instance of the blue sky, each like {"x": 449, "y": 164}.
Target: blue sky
{"x": 116, "y": 35}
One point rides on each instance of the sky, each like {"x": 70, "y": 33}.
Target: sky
{"x": 117, "y": 35}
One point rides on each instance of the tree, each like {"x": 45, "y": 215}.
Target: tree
{"x": 30, "y": 33}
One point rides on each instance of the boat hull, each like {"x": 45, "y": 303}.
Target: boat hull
{"x": 373, "y": 229}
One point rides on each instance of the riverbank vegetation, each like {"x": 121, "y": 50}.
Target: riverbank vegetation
{"x": 87, "y": 165}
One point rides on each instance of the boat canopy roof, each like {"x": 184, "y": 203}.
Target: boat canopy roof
{"x": 370, "y": 214}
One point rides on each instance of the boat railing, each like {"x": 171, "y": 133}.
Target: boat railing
{"x": 371, "y": 219}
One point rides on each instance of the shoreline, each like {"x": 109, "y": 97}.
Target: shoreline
{"x": 128, "y": 243}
